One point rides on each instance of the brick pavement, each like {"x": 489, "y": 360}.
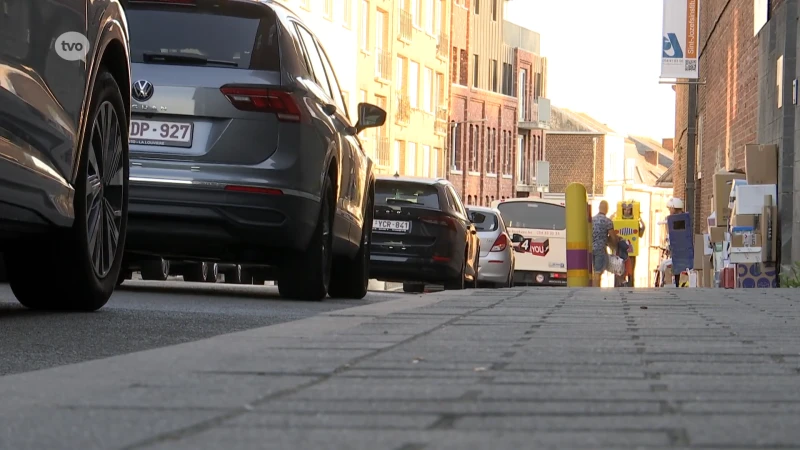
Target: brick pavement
{"x": 502, "y": 369}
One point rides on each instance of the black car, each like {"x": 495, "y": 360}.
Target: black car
{"x": 421, "y": 234}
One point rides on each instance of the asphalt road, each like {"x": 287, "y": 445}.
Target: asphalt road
{"x": 143, "y": 315}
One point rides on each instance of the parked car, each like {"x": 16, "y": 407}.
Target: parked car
{"x": 497, "y": 252}
{"x": 242, "y": 147}
{"x": 422, "y": 234}
{"x": 64, "y": 111}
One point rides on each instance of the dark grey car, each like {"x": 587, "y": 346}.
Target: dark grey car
{"x": 242, "y": 147}
{"x": 63, "y": 150}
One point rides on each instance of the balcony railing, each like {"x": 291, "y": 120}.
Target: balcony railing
{"x": 383, "y": 64}
{"x": 382, "y": 150}
{"x": 443, "y": 47}
{"x": 406, "y": 26}
{"x": 403, "y": 111}
{"x": 442, "y": 116}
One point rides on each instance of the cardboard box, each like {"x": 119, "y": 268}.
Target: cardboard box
{"x": 761, "y": 164}
{"x": 751, "y": 197}
{"x": 768, "y": 229}
{"x": 748, "y": 254}
{"x": 756, "y": 275}
{"x": 722, "y": 182}
{"x": 699, "y": 250}
{"x": 718, "y": 234}
{"x": 744, "y": 220}
{"x": 708, "y": 273}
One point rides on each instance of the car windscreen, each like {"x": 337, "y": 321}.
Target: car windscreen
{"x": 533, "y": 215}
{"x": 399, "y": 193}
{"x": 236, "y": 34}
{"x": 484, "y": 221}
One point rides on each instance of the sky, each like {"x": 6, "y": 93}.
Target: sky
{"x": 604, "y": 59}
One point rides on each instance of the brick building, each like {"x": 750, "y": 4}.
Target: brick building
{"x": 727, "y": 104}
{"x": 484, "y": 159}
{"x": 576, "y": 151}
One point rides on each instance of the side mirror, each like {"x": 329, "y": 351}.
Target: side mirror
{"x": 517, "y": 238}
{"x": 369, "y": 116}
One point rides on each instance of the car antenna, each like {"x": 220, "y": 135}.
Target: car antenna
{"x": 397, "y": 174}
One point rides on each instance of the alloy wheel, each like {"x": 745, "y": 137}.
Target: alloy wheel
{"x": 326, "y": 242}
{"x": 104, "y": 189}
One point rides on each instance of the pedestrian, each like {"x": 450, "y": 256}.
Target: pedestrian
{"x": 602, "y": 236}
{"x": 675, "y": 206}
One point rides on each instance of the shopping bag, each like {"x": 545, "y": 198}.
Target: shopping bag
{"x": 616, "y": 265}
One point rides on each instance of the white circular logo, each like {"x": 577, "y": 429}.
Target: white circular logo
{"x": 72, "y": 46}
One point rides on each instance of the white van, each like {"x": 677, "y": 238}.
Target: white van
{"x": 539, "y": 231}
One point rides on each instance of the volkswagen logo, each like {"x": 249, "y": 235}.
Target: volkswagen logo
{"x": 142, "y": 90}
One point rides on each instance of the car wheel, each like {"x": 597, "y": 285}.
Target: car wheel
{"x": 196, "y": 272}
{"x": 82, "y": 263}
{"x": 212, "y": 272}
{"x": 414, "y": 288}
{"x": 457, "y": 284}
{"x": 474, "y": 283}
{"x": 235, "y": 276}
{"x": 124, "y": 275}
{"x": 350, "y": 278}
{"x": 155, "y": 270}
{"x": 306, "y": 275}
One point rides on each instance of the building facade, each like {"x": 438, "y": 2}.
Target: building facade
{"x": 334, "y": 22}
{"x": 727, "y": 100}
{"x": 494, "y": 85}
{"x": 402, "y": 65}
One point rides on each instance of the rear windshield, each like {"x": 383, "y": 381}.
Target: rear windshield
{"x": 484, "y": 221}
{"x": 401, "y": 193}
{"x": 244, "y": 36}
{"x": 533, "y": 215}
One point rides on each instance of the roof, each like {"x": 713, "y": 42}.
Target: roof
{"x": 645, "y": 144}
{"x": 566, "y": 121}
{"x": 644, "y": 172}
{"x": 665, "y": 180}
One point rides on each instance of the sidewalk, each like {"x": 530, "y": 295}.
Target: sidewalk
{"x": 484, "y": 369}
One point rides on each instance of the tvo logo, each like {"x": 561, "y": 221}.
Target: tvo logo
{"x": 671, "y": 47}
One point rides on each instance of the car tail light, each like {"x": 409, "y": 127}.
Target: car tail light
{"x": 500, "y": 243}
{"x": 280, "y": 103}
{"x": 558, "y": 275}
{"x": 444, "y": 221}
{"x": 253, "y": 189}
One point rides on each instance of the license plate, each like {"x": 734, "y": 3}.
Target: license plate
{"x": 152, "y": 132}
{"x": 391, "y": 225}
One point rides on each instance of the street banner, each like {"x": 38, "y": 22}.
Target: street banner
{"x": 681, "y": 44}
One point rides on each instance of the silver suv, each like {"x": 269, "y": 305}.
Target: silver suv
{"x": 64, "y": 110}
{"x": 243, "y": 150}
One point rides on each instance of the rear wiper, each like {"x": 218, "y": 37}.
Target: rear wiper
{"x": 188, "y": 59}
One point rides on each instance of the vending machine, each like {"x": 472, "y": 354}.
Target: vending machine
{"x": 626, "y": 224}
{"x": 681, "y": 241}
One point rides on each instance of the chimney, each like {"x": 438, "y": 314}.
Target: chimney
{"x": 668, "y": 144}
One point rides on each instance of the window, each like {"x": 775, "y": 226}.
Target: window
{"x": 439, "y": 92}
{"x": 435, "y": 162}
{"x": 397, "y": 157}
{"x": 427, "y": 91}
{"x": 487, "y": 201}
{"x": 462, "y": 73}
{"x": 457, "y": 201}
{"x": 438, "y": 17}
{"x": 411, "y": 159}
{"x": 456, "y": 151}
{"x": 491, "y": 151}
{"x": 533, "y": 215}
{"x": 509, "y": 155}
{"x": 416, "y": 12}
{"x": 402, "y": 75}
{"x": 493, "y": 73}
{"x": 474, "y": 137}
{"x": 454, "y": 65}
{"x": 523, "y": 94}
{"x": 390, "y": 192}
{"x": 174, "y": 31}
{"x": 426, "y": 160}
{"x": 494, "y": 10}
{"x": 475, "y": 71}
{"x": 413, "y": 84}
{"x": 364, "y": 24}
{"x": 338, "y": 97}
{"x": 476, "y": 6}
{"x": 327, "y": 9}
{"x": 362, "y": 96}
{"x": 316, "y": 60}
{"x": 508, "y": 79}
{"x": 430, "y": 15}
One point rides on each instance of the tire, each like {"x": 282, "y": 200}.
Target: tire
{"x": 457, "y": 284}
{"x": 81, "y": 264}
{"x": 156, "y": 270}
{"x": 211, "y": 273}
{"x": 235, "y": 276}
{"x": 414, "y": 288}
{"x": 306, "y": 275}
{"x": 474, "y": 283}
{"x": 124, "y": 275}
{"x": 196, "y": 273}
{"x": 350, "y": 278}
